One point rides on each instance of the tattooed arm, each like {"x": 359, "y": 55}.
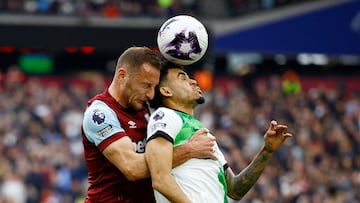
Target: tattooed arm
{"x": 240, "y": 184}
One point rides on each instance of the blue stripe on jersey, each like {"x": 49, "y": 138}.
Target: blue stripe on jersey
{"x": 100, "y": 122}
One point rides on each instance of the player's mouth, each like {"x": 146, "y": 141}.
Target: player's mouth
{"x": 197, "y": 89}
{"x": 140, "y": 101}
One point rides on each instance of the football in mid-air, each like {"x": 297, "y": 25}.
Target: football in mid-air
{"x": 182, "y": 39}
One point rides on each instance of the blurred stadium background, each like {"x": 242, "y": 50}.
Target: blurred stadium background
{"x": 296, "y": 61}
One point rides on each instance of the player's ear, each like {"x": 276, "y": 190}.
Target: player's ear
{"x": 165, "y": 91}
{"x": 121, "y": 73}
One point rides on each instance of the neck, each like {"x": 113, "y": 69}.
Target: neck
{"x": 116, "y": 95}
{"x": 189, "y": 109}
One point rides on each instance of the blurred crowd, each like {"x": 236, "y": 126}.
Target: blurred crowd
{"x": 42, "y": 156}
{"x": 138, "y": 8}
{"x": 320, "y": 164}
{"x": 41, "y": 150}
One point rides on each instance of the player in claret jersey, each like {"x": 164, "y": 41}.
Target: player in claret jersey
{"x": 114, "y": 133}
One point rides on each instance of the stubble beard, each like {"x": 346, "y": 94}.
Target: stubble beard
{"x": 200, "y": 100}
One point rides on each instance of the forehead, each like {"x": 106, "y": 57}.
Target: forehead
{"x": 176, "y": 72}
{"x": 149, "y": 72}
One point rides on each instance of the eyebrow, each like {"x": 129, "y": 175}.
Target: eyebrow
{"x": 182, "y": 73}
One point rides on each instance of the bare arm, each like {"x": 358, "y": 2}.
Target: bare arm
{"x": 122, "y": 154}
{"x": 239, "y": 185}
{"x": 199, "y": 146}
{"x": 159, "y": 153}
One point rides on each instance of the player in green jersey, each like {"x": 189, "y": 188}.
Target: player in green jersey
{"x": 196, "y": 180}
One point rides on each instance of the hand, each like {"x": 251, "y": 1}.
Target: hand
{"x": 202, "y": 146}
{"x": 275, "y": 136}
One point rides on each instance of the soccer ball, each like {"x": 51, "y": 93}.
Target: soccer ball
{"x": 182, "y": 40}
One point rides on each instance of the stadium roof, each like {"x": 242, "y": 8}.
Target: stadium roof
{"x": 327, "y": 27}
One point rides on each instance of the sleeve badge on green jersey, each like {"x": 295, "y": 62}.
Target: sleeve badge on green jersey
{"x": 159, "y": 115}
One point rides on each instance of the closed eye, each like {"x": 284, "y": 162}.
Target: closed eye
{"x": 148, "y": 85}
{"x": 183, "y": 76}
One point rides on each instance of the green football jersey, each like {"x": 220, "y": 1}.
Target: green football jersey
{"x": 202, "y": 180}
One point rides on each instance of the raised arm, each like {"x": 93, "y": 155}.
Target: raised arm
{"x": 240, "y": 184}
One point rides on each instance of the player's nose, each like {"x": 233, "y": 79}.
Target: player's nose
{"x": 150, "y": 94}
{"x": 193, "y": 82}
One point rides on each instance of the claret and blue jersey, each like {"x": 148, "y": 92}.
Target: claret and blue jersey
{"x": 105, "y": 121}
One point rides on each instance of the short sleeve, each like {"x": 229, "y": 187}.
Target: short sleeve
{"x": 164, "y": 122}
{"x": 100, "y": 122}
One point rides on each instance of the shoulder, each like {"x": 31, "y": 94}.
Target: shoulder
{"x": 164, "y": 118}
{"x": 164, "y": 122}
{"x": 98, "y": 107}
{"x": 100, "y": 122}
{"x": 98, "y": 114}
{"x": 162, "y": 113}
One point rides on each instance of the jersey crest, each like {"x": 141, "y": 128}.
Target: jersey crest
{"x": 98, "y": 117}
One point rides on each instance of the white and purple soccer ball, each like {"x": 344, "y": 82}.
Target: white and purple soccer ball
{"x": 182, "y": 40}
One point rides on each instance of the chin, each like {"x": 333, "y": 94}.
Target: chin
{"x": 137, "y": 106}
{"x": 200, "y": 100}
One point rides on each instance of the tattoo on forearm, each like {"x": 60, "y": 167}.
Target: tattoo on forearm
{"x": 240, "y": 184}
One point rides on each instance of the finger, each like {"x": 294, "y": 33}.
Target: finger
{"x": 202, "y": 131}
{"x": 281, "y": 128}
{"x": 212, "y": 139}
{"x": 204, "y": 139}
{"x": 273, "y": 124}
{"x": 212, "y": 156}
{"x": 288, "y": 135}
